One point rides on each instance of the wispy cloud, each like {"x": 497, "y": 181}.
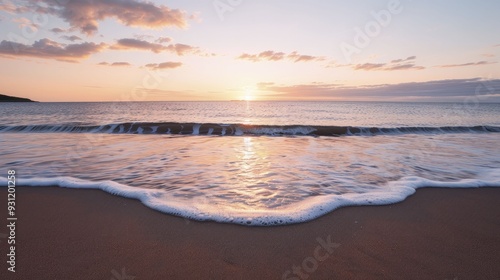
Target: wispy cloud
{"x": 85, "y": 15}
{"x": 129, "y": 43}
{"x": 71, "y": 38}
{"x": 296, "y": 57}
{"x": 369, "y": 66}
{"x": 137, "y": 44}
{"x": 114, "y": 63}
{"x": 57, "y": 30}
{"x": 410, "y": 58}
{"x": 396, "y": 64}
{"x": 488, "y": 55}
{"x": 405, "y": 66}
{"x": 163, "y": 40}
{"x": 9, "y": 7}
{"x": 466, "y": 64}
{"x": 147, "y": 37}
{"x": 278, "y": 56}
{"x": 163, "y": 65}
{"x": 23, "y": 22}
{"x": 264, "y": 85}
{"x": 46, "y": 48}
{"x": 263, "y": 56}
{"x": 182, "y": 49}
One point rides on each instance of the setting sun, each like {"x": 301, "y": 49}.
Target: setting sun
{"x": 249, "y": 95}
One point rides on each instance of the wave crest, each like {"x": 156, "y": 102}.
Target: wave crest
{"x": 241, "y": 129}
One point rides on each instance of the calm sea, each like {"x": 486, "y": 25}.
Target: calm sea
{"x": 252, "y": 163}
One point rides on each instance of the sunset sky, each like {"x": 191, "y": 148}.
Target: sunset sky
{"x": 133, "y": 50}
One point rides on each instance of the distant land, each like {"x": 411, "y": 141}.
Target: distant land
{"x": 7, "y": 98}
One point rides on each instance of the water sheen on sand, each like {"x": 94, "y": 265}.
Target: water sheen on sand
{"x": 253, "y": 180}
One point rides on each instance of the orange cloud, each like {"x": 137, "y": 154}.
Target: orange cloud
{"x": 163, "y": 65}
{"x": 114, "y": 64}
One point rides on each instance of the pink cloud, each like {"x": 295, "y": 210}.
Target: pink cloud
{"x": 278, "y": 56}
{"x": 164, "y": 65}
{"x": 85, "y": 15}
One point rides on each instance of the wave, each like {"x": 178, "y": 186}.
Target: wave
{"x": 306, "y": 210}
{"x": 240, "y": 129}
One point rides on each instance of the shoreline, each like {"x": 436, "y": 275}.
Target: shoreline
{"x": 89, "y": 234}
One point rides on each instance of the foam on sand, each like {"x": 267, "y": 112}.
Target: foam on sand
{"x": 303, "y": 211}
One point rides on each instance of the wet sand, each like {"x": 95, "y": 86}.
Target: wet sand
{"x": 88, "y": 234}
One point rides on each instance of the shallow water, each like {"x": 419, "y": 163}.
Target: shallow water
{"x": 253, "y": 180}
{"x": 172, "y": 155}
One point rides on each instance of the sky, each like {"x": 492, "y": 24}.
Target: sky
{"x": 184, "y": 50}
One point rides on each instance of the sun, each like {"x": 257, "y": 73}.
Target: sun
{"x": 249, "y": 95}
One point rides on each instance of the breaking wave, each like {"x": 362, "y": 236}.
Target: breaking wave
{"x": 241, "y": 129}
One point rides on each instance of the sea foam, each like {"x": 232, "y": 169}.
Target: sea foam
{"x": 306, "y": 210}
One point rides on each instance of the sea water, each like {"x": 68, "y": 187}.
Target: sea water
{"x": 252, "y": 163}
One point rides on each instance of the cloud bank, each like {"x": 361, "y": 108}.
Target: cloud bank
{"x": 440, "y": 90}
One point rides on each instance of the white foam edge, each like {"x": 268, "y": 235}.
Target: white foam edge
{"x": 304, "y": 211}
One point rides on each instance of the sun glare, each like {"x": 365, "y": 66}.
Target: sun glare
{"x": 248, "y": 95}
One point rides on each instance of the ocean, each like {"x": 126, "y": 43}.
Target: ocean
{"x": 256, "y": 163}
